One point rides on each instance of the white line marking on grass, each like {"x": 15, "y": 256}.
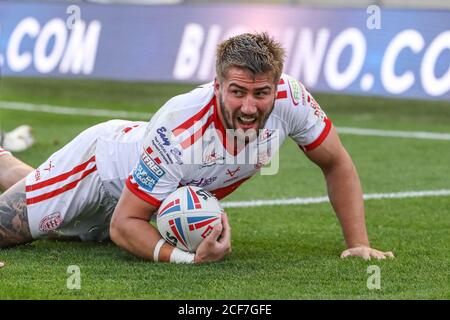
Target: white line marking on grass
{"x": 396, "y": 134}
{"x": 74, "y": 111}
{"x": 303, "y": 201}
{"x": 146, "y": 116}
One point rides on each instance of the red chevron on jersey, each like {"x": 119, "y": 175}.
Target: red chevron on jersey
{"x": 197, "y": 134}
{"x": 190, "y": 122}
{"x": 281, "y": 94}
{"x": 149, "y": 151}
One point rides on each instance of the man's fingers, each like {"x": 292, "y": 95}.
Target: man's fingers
{"x": 215, "y": 233}
{"x": 359, "y": 252}
{"x": 382, "y": 255}
{"x": 365, "y": 255}
{"x": 225, "y": 219}
{"x": 226, "y": 233}
{"x": 377, "y": 254}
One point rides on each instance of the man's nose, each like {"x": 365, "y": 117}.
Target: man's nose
{"x": 249, "y": 105}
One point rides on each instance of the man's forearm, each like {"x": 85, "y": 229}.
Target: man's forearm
{"x": 345, "y": 193}
{"x": 139, "y": 238}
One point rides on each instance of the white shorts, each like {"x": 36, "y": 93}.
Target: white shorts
{"x": 66, "y": 196}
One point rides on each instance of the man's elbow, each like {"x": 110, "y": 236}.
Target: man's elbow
{"x": 115, "y": 231}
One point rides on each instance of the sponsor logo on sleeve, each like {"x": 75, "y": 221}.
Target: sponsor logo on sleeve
{"x": 161, "y": 142}
{"x": 147, "y": 172}
{"x": 37, "y": 175}
{"x": 151, "y": 164}
{"x": 162, "y": 134}
{"x": 177, "y": 154}
{"x": 50, "y": 222}
{"x": 295, "y": 90}
{"x": 318, "y": 112}
{"x": 162, "y": 151}
{"x": 144, "y": 177}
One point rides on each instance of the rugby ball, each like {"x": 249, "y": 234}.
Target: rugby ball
{"x": 187, "y": 216}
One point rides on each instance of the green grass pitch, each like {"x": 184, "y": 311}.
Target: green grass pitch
{"x": 279, "y": 252}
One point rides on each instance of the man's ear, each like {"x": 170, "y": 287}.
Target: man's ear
{"x": 276, "y": 87}
{"x": 216, "y": 86}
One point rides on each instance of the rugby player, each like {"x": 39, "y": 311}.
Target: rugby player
{"x": 111, "y": 179}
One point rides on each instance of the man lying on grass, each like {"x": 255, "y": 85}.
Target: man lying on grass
{"x": 111, "y": 179}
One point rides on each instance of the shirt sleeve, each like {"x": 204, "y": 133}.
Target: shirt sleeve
{"x": 307, "y": 122}
{"x": 156, "y": 174}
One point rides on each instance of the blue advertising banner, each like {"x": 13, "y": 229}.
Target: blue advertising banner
{"x": 369, "y": 51}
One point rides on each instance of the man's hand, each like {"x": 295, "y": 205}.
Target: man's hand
{"x": 366, "y": 253}
{"x": 217, "y": 244}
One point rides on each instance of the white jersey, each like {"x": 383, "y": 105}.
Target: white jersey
{"x": 185, "y": 142}
{"x": 75, "y": 191}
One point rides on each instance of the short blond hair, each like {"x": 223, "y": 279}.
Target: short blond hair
{"x": 258, "y": 53}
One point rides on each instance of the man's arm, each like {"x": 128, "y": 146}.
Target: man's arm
{"x": 12, "y": 170}
{"x": 130, "y": 229}
{"x": 346, "y": 196}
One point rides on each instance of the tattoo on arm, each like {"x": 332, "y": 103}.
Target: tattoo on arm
{"x": 14, "y": 227}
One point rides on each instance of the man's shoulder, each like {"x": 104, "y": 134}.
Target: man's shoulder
{"x": 292, "y": 104}
{"x": 291, "y": 91}
{"x": 188, "y": 102}
{"x": 182, "y": 111}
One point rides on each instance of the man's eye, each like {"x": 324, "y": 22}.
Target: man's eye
{"x": 237, "y": 93}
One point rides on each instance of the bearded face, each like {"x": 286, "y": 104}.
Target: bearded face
{"x": 245, "y": 102}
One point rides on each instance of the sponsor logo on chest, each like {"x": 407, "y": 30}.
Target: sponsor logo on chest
{"x": 202, "y": 182}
